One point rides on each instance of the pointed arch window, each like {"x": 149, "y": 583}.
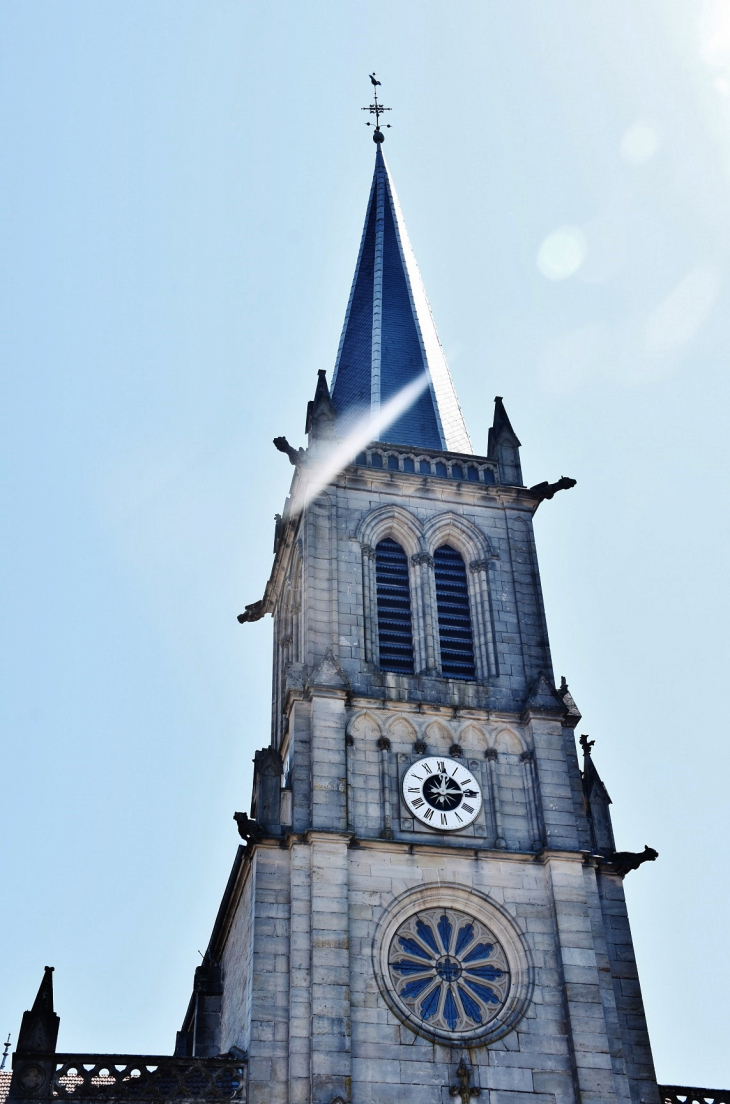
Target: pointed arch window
{"x": 452, "y": 601}
{"x": 395, "y": 632}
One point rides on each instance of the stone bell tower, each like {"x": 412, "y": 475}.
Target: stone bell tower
{"x": 428, "y": 902}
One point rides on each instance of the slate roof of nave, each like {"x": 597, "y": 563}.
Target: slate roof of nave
{"x": 389, "y": 338}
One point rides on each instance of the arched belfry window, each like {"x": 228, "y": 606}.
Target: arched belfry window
{"x": 395, "y": 633}
{"x": 452, "y": 601}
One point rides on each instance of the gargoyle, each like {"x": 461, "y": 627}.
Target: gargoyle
{"x": 624, "y": 861}
{"x": 254, "y": 612}
{"x": 547, "y": 490}
{"x": 295, "y": 455}
{"x": 248, "y": 829}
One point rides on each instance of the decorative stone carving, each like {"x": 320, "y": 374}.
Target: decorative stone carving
{"x": 464, "y": 1089}
{"x": 479, "y": 565}
{"x": 624, "y": 861}
{"x": 448, "y": 969}
{"x": 452, "y": 965}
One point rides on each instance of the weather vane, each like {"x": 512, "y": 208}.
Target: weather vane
{"x": 377, "y": 110}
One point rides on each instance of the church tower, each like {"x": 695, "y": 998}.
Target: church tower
{"x": 428, "y": 901}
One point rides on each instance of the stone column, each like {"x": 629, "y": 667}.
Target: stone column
{"x": 300, "y": 984}
{"x": 418, "y": 625}
{"x": 588, "y": 1033}
{"x": 370, "y": 604}
{"x": 384, "y": 748}
{"x": 492, "y": 757}
{"x": 330, "y": 968}
{"x": 268, "y": 1066}
{"x": 430, "y": 613}
{"x": 329, "y": 770}
{"x": 533, "y": 806}
{"x": 482, "y": 605}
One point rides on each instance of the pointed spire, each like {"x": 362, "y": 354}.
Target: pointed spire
{"x": 39, "y": 1027}
{"x": 504, "y": 446}
{"x": 389, "y": 338}
{"x": 321, "y": 415}
{"x": 597, "y": 800}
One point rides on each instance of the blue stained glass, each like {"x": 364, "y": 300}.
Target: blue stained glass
{"x": 413, "y": 988}
{"x": 451, "y": 1012}
{"x": 464, "y": 938}
{"x": 411, "y": 947}
{"x": 431, "y": 1003}
{"x": 482, "y": 991}
{"x": 471, "y": 1007}
{"x": 405, "y": 967}
{"x": 426, "y": 933}
{"x": 489, "y": 973}
{"x": 445, "y": 931}
{"x": 482, "y": 950}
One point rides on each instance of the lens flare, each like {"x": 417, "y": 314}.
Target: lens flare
{"x": 562, "y": 253}
{"x": 319, "y": 474}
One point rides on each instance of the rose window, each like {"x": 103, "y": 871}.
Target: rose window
{"x": 448, "y": 970}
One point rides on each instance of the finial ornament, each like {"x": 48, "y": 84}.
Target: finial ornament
{"x": 464, "y": 1089}
{"x": 5, "y": 1053}
{"x": 586, "y": 743}
{"x": 377, "y": 110}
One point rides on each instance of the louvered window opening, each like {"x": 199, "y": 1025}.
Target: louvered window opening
{"x": 452, "y": 600}
{"x": 395, "y": 634}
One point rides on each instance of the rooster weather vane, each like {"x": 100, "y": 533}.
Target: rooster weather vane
{"x": 377, "y": 110}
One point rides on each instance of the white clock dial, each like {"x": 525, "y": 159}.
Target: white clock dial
{"x": 442, "y": 793}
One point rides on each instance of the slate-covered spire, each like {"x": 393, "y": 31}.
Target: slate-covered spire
{"x": 389, "y": 337}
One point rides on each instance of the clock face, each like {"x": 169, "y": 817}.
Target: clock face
{"x": 442, "y": 793}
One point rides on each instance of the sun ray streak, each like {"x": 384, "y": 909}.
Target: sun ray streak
{"x": 320, "y": 474}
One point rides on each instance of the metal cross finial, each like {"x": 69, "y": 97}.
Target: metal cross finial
{"x": 464, "y": 1089}
{"x": 5, "y": 1053}
{"x": 377, "y": 110}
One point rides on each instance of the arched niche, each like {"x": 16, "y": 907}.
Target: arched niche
{"x": 437, "y": 734}
{"x": 400, "y": 730}
{"x": 472, "y": 738}
{"x": 364, "y": 726}
{"x": 508, "y": 742}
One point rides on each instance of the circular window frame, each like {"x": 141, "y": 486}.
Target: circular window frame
{"x": 494, "y": 917}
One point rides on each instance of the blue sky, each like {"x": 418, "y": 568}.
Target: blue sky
{"x": 183, "y": 189}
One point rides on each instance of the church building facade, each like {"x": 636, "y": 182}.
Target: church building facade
{"x": 427, "y": 902}
{"x": 421, "y": 890}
